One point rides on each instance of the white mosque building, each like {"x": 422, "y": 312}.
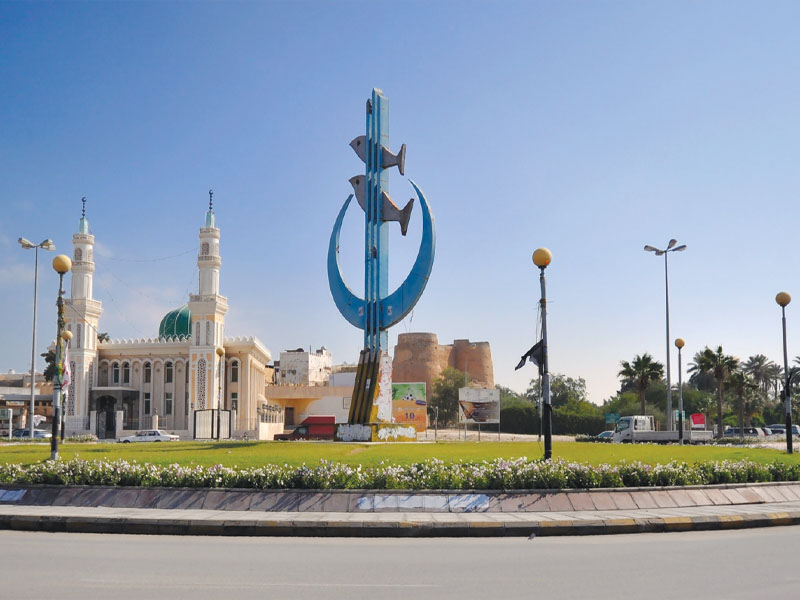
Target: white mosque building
{"x": 190, "y": 366}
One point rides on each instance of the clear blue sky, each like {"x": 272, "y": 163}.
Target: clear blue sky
{"x": 589, "y": 128}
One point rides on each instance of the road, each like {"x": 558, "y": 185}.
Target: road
{"x": 709, "y": 565}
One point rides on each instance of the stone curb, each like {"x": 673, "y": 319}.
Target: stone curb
{"x": 337, "y": 527}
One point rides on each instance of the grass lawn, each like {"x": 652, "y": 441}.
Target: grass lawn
{"x": 249, "y": 454}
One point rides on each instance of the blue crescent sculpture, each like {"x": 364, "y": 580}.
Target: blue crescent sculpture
{"x": 379, "y": 310}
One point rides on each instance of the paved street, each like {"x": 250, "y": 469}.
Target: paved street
{"x": 723, "y": 565}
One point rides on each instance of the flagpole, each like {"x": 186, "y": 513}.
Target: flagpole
{"x": 541, "y": 258}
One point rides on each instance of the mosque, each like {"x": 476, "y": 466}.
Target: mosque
{"x": 191, "y": 366}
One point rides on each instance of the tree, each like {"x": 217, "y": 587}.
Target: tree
{"x": 639, "y": 373}
{"x": 445, "y": 395}
{"x": 743, "y": 386}
{"x": 762, "y": 370}
{"x": 50, "y": 360}
{"x": 103, "y": 337}
{"x": 563, "y": 390}
{"x": 720, "y": 365}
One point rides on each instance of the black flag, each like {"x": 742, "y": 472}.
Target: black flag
{"x": 536, "y": 355}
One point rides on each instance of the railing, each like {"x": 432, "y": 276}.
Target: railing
{"x": 75, "y": 423}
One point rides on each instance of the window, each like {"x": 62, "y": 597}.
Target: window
{"x": 168, "y": 372}
{"x": 204, "y": 249}
{"x": 126, "y": 372}
{"x": 115, "y": 373}
{"x": 234, "y": 401}
{"x": 197, "y": 334}
{"x": 235, "y": 371}
{"x": 168, "y": 403}
{"x": 147, "y": 403}
{"x": 148, "y": 372}
{"x": 208, "y": 333}
{"x": 78, "y": 254}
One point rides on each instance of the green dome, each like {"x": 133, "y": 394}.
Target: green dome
{"x": 176, "y": 323}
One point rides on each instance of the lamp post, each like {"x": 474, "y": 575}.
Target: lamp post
{"x": 28, "y": 245}
{"x": 783, "y": 299}
{"x": 670, "y": 248}
{"x": 541, "y": 258}
{"x": 679, "y": 343}
{"x": 61, "y": 264}
{"x": 220, "y": 354}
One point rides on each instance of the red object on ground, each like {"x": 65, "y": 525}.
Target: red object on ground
{"x": 316, "y": 427}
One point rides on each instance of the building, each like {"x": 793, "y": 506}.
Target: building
{"x": 189, "y": 366}
{"x": 420, "y": 357}
{"x": 298, "y": 367}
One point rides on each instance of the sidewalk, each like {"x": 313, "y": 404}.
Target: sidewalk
{"x": 103, "y": 519}
{"x": 177, "y": 521}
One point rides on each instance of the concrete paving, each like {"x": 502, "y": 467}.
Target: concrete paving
{"x": 106, "y": 519}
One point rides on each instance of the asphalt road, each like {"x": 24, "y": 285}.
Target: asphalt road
{"x": 723, "y": 565}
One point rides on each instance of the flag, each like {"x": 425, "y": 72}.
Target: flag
{"x": 67, "y": 376}
{"x": 536, "y": 356}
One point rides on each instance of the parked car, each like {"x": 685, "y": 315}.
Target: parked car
{"x": 753, "y": 432}
{"x": 150, "y": 435}
{"x": 778, "y": 429}
{"x": 38, "y": 434}
{"x": 606, "y": 435}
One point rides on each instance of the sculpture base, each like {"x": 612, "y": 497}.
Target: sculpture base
{"x": 375, "y": 432}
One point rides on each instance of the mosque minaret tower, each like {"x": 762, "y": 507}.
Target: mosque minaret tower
{"x": 82, "y": 314}
{"x": 207, "y": 310}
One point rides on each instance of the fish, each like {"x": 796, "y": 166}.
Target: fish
{"x": 389, "y": 210}
{"x": 359, "y": 146}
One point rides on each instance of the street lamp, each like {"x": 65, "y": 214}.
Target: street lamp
{"x": 783, "y": 299}
{"x": 220, "y": 354}
{"x": 28, "y": 245}
{"x": 61, "y": 264}
{"x": 541, "y": 258}
{"x": 670, "y": 248}
{"x": 679, "y": 343}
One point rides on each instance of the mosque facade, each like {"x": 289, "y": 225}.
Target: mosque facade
{"x": 189, "y": 366}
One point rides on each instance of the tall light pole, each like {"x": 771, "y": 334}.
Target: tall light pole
{"x": 541, "y": 258}
{"x": 679, "y": 343}
{"x": 783, "y": 299}
{"x": 61, "y": 264}
{"x": 670, "y": 248}
{"x": 28, "y": 245}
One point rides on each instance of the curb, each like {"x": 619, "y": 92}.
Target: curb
{"x": 333, "y": 527}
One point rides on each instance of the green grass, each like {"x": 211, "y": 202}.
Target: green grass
{"x": 249, "y": 454}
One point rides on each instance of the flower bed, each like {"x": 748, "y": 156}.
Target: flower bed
{"x": 515, "y": 474}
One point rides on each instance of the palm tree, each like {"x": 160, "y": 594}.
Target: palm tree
{"x": 720, "y": 365}
{"x": 761, "y": 369}
{"x": 742, "y": 385}
{"x": 641, "y": 372}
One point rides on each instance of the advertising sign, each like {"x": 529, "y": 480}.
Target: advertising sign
{"x": 478, "y": 405}
{"x": 698, "y": 421}
{"x": 409, "y": 405}
{"x": 612, "y": 418}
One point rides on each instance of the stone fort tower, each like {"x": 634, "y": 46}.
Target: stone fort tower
{"x": 420, "y": 357}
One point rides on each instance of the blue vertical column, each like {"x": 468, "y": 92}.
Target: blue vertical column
{"x": 376, "y": 282}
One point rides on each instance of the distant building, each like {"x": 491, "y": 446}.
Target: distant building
{"x": 420, "y": 357}
{"x": 298, "y": 367}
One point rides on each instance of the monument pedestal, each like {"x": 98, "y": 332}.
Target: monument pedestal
{"x": 370, "y": 418}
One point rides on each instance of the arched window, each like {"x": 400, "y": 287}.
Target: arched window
{"x": 148, "y": 372}
{"x": 208, "y": 333}
{"x": 197, "y": 334}
{"x": 126, "y": 372}
{"x": 168, "y": 372}
{"x": 204, "y": 249}
{"x": 115, "y": 373}
{"x": 78, "y": 255}
{"x": 235, "y": 371}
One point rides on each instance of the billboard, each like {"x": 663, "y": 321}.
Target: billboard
{"x": 409, "y": 405}
{"x": 478, "y": 405}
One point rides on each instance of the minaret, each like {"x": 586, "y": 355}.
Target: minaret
{"x": 208, "y": 310}
{"x": 82, "y": 316}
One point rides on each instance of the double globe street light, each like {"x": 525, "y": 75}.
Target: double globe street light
{"x": 28, "y": 245}
{"x": 671, "y": 247}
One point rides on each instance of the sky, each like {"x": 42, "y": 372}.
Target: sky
{"x": 591, "y": 129}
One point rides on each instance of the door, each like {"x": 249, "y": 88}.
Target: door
{"x": 289, "y": 416}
